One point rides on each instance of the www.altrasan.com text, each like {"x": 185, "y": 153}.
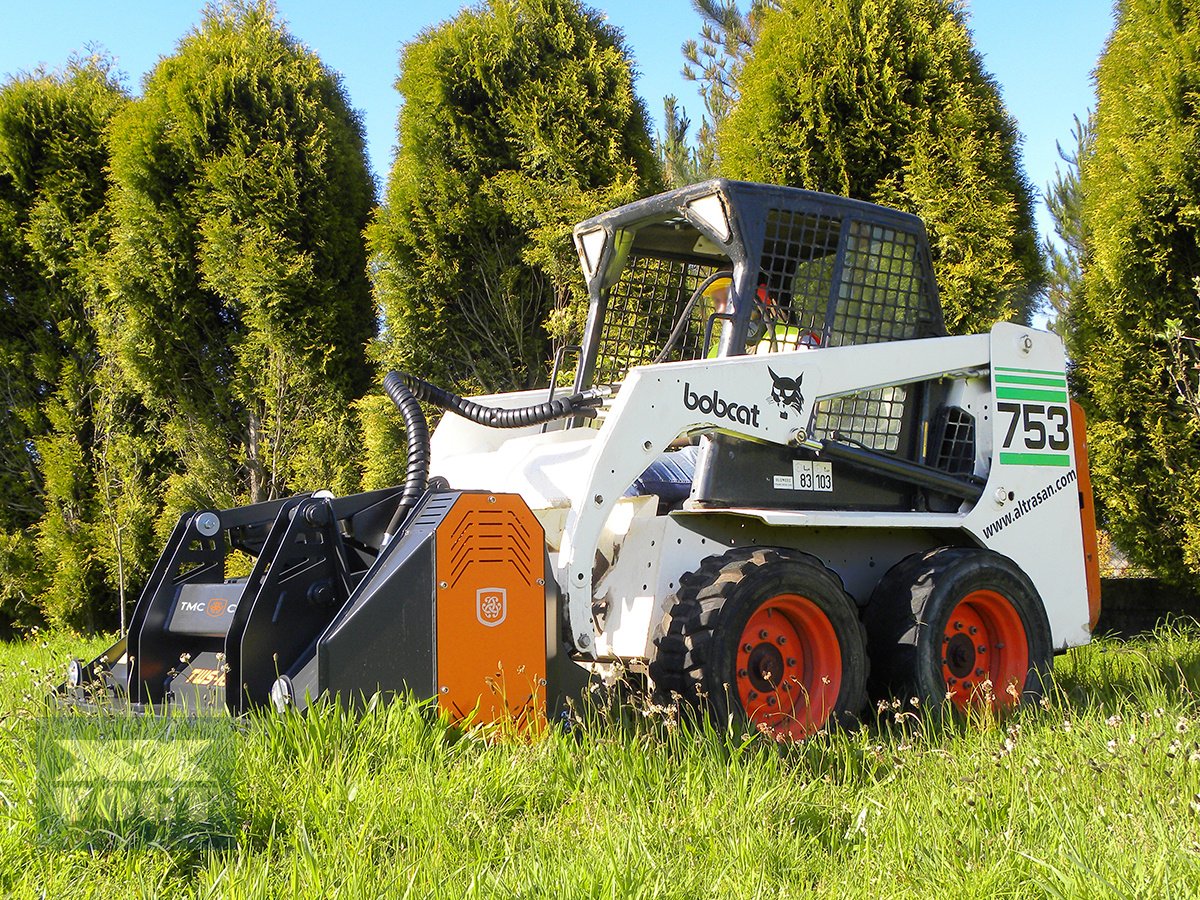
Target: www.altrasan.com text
{"x": 1025, "y": 505}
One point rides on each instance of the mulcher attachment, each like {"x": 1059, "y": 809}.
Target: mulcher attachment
{"x": 456, "y": 606}
{"x": 440, "y": 593}
{"x": 205, "y": 640}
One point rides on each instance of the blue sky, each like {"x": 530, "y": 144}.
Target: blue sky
{"x": 1041, "y": 52}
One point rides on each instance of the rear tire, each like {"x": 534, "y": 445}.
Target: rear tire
{"x": 945, "y": 623}
{"x": 766, "y": 636}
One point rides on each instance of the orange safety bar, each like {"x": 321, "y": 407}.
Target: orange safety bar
{"x": 1087, "y": 512}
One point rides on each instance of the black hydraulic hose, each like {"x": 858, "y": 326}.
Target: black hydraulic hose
{"x": 405, "y": 390}
{"x": 560, "y": 408}
{"x": 417, "y": 431}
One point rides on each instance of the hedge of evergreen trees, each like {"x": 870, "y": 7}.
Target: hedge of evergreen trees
{"x": 198, "y": 288}
{"x": 186, "y": 309}
{"x": 1134, "y": 316}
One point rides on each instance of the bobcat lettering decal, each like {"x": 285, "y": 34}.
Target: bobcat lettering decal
{"x": 785, "y": 393}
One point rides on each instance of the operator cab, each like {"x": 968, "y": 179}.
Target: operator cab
{"x": 725, "y": 268}
{"x": 843, "y": 271}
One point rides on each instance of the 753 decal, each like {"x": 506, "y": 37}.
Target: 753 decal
{"x": 1033, "y": 416}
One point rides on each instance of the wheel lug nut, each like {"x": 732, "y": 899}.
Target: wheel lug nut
{"x": 967, "y": 685}
{"x": 999, "y": 646}
{"x": 742, "y": 673}
{"x": 754, "y": 695}
{"x": 791, "y": 661}
{"x": 973, "y": 630}
{"x": 770, "y": 701}
{"x": 782, "y": 640}
{"x": 958, "y": 626}
{"x": 763, "y": 634}
{"x": 946, "y": 639}
{"x": 983, "y": 648}
{"x": 747, "y": 647}
{"x": 979, "y": 672}
{"x": 952, "y": 681}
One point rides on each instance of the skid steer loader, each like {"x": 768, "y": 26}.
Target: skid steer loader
{"x": 776, "y": 485}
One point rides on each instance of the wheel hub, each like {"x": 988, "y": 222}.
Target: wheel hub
{"x": 984, "y": 641}
{"x": 766, "y": 667}
{"x": 960, "y": 656}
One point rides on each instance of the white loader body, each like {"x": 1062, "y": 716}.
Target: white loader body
{"x": 617, "y": 561}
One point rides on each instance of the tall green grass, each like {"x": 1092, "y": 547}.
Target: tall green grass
{"x": 1094, "y": 793}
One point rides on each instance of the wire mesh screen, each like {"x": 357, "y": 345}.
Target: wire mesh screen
{"x": 797, "y": 267}
{"x": 882, "y": 295}
{"x": 874, "y": 419}
{"x": 643, "y": 309}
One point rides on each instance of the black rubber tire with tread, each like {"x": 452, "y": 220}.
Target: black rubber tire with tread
{"x": 910, "y": 606}
{"x": 696, "y": 641}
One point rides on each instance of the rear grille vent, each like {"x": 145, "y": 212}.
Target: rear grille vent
{"x": 953, "y": 439}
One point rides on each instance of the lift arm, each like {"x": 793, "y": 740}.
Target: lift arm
{"x": 769, "y": 398}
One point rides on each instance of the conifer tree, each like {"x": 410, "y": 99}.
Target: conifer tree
{"x": 53, "y": 232}
{"x": 727, "y": 38}
{"x": 681, "y": 163}
{"x": 240, "y": 302}
{"x": 1064, "y": 200}
{"x": 519, "y": 119}
{"x": 887, "y": 101}
{"x": 1135, "y": 324}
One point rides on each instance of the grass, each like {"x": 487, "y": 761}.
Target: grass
{"x": 1095, "y": 793}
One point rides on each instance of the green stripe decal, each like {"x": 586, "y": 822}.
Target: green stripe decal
{"x": 1030, "y": 371}
{"x": 1012, "y": 393}
{"x": 1025, "y": 379}
{"x": 1062, "y": 460}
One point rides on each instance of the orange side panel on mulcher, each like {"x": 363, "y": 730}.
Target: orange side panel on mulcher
{"x": 1087, "y": 512}
{"x": 491, "y": 610}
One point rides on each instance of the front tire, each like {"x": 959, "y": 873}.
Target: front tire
{"x": 766, "y": 636}
{"x": 959, "y": 624}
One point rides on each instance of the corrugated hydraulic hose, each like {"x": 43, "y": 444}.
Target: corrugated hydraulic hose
{"x": 405, "y": 390}
{"x": 575, "y": 405}
{"x": 417, "y": 431}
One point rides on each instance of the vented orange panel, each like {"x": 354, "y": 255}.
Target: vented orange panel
{"x": 491, "y": 610}
{"x": 1087, "y": 512}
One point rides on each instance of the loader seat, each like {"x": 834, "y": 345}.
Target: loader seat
{"x": 669, "y": 477}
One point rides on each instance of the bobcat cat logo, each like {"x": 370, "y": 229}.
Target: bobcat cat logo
{"x": 785, "y": 393}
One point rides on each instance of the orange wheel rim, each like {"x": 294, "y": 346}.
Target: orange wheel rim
{"x": 789, "y": 667}
{"x": 985, "y": 653}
